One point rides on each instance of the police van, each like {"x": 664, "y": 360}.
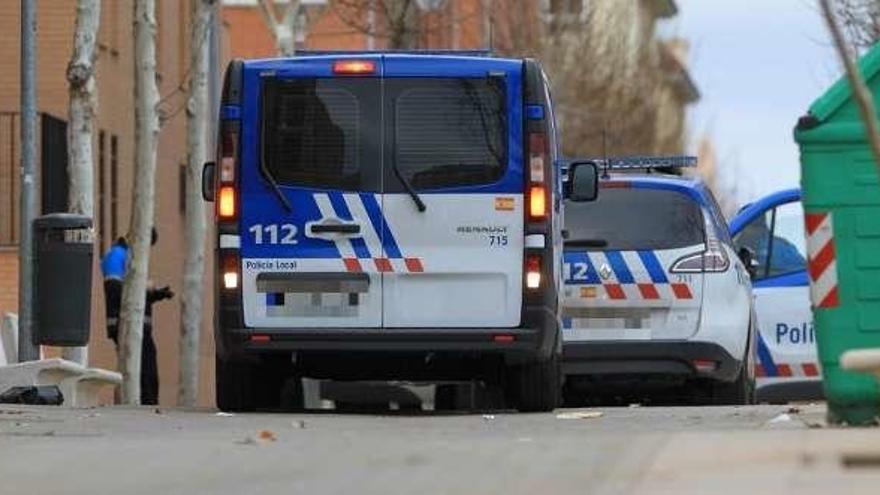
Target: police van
{"x": 772, "y": 230}
{"x": 654, "y": 290}
{"x": 387, "y": 216}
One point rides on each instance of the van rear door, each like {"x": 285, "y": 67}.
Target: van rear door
{"x": 316, "y": 133}
{"x": 454, "y": 134}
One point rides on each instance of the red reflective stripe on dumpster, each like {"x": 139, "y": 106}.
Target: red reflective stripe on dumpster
{"x": 823, "y": 260}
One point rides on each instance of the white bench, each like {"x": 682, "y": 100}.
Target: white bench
{"x": 862, "y": 360}
{"x": 80, "y": 386}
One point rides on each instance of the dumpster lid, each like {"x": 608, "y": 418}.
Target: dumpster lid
{"x": 62, "y": 221}
{"x": 840, "y": 93}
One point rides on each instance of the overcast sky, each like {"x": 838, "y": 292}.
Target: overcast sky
{"x": 759, "y": 64}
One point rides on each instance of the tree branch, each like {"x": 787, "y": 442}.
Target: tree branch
{"x": 861, "y": 93}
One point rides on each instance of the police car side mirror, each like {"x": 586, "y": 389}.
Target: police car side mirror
{"x": 583, "y": 181}
{"x": 208, "y": 171}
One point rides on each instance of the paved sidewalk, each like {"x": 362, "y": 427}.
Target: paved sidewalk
{"x": 688, "y": 450}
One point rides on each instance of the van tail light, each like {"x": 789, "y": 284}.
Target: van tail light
{"x": 226, "y": 203}
{"x": 537, "y": 202}
{"x": 537, "y": 178}
{"x": 227, "y": 207}
{"x": 713, "y": 259}
{"x": 533, "y": 271}
{"x": 230, "y": 269}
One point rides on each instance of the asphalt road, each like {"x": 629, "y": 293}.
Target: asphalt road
{"x": 699, "y": 450}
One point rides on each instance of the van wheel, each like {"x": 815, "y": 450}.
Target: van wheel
{"x": 246, "y": 386}
{"x": 536, "y": 387}
{"x": 232, "y": 380}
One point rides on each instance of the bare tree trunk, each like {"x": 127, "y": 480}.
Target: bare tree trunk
{"x": 81, "y": 124}
{"x": 134, "y": 290}
{"x": 861, "y": 93}
{"x": 284, "y": 30}
{"x": 194, "y": 221}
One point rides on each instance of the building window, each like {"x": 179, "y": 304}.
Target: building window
{"x": 9, "y": 177}
{"x": 101, "y": 210}
{"x": 114, "y": 187}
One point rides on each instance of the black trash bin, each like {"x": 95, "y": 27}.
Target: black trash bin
{"x": 63, "y": 246}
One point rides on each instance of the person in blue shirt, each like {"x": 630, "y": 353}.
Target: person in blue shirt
{"x": 113, "y": 267}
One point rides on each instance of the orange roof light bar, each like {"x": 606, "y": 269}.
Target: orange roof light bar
{"x": 354, "y": 67}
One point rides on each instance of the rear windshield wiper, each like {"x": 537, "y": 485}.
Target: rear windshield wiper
{"x": 409, "y": 189}
{"x": 277, "y": 189}
{"x": 587, "y": 243}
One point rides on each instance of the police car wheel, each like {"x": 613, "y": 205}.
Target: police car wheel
{"x": 739, "y": 392}
{"x": 537, "y": 386}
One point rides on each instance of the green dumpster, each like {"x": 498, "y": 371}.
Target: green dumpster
{"x": 841, "y": 197}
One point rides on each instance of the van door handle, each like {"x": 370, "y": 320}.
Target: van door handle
{"x": 341, "y": 228}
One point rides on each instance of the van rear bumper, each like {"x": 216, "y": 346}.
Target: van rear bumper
{"x": 648, "y": 358}
{"x": 535, "y": 340}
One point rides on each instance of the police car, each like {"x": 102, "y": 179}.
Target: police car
{"x": 654, "y": 289}
{"x": 387, "y": 216}
{"x": 772, "y": 231}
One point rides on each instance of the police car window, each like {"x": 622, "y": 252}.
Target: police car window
{"x": 630, "y": 219}
{"x": 787, "y": 247}
{"x": 321, "y": 132}
{"x": 756, "y": 237}
{"x": 447, "y": 132}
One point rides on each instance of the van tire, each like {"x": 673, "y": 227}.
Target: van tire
{"x": 232, "y": 381}
{"x": 245, "y": 386}
{"x": 537, "y": 386}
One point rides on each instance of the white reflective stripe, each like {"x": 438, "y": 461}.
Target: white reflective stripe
{"x": 230, "y": 241}
{"x": 368, "y": 232}
{"x": 823, "y": 286}
{"x": 537, "y": 241}
{"x": 326, "y": 209}
{"x": 823, "y": 234}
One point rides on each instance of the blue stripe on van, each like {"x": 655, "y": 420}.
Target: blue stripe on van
{"x": 343, "y": 212}
{"x": 652, "y": 264}
{"x": 389, "y": 244}
{"x": 618, "y": 264}
{"x": 766, "y": 358}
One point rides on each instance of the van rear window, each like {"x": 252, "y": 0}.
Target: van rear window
{"x": 632, "y": 219}
{"x": 334, "y": 133}
{"x": 448, "y": 132}
{"x": 321, "y": 132}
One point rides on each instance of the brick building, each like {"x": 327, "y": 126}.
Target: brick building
{"x": 114, "y": 155}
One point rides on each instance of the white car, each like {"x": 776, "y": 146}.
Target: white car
{"x": 773, "y": 229}
{"x": 654, "y": 290}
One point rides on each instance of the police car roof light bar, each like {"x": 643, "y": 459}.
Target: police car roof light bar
{"x": 459, "y": 53}
{"x": 646, "y": 162}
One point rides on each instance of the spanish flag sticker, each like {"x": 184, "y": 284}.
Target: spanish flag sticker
{"x": 588, "y": 292}
{"x": 503, "y": 203}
